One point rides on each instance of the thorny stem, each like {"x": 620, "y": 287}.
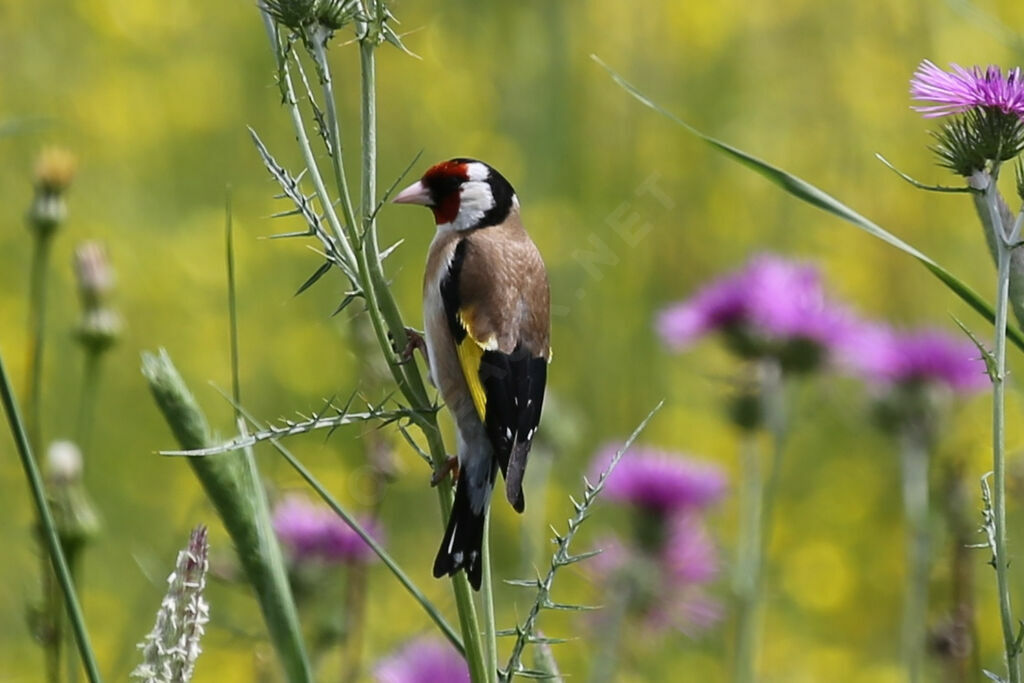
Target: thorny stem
{"x": 758, "y": 520}
{"x": 48, "y": 527}
{"x": 1004, "y": 250}
{"x": 372, "y": 543}
{"x": 334, "y": 134}
{"x": 527, "y": 632}
{"x": 914, "y": 463}
{"x": 380, "y": 304}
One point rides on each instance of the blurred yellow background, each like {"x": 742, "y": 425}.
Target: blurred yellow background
{"x": 154, "y": 99}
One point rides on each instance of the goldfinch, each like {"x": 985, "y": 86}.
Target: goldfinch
{"x": 486, "y": 311}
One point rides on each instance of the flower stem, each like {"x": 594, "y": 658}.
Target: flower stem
{"x": 48, "y": 527}
{"x": 383, "y": 305}
{"x": 914, "y": 465}
{"x": 487, "y": 596}
{"x": 37, "y": 336}
{"x": 1004, "y": 243}
{"x": 611, "y": 630}
{"x": 749, "y": 543}
{"x": 87, "y": 399}
{"x": 757, "y": 500}
{"x": 380, "y": 305}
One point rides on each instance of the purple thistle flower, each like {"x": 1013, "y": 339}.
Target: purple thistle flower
{"x": 667, "y": 583}
{"x": 424, "y": 660}
{"x": 314, "y": 532}
{"x": 769, "y": 302}
{"x": 690, "y": 555}
{"x": 887, "y": 356}
{"x": 659, "y": 480}
{"x": 961, "y": 89}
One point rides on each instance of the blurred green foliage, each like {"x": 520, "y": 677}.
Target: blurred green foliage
{"x": 154, "y": 98}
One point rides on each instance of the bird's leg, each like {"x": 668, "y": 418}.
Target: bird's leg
{"x": 415, "y": 341}
{"x": 449, "y": 466}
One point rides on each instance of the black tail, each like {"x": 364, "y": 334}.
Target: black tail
{"x": 463, "y": 541}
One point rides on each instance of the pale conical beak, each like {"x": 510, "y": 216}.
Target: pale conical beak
{"x": 417, "y": 193}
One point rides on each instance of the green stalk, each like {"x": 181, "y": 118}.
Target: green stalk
{"x": 1003, "y": 243}
{"x": 747, "y": 561}
{"x": 611, "y": 630}
{"x": 385, "y": 305}
{"x": 370, "y": 541}
{"x": 381, "y": 307}
{"x": 487, "y": 596}
{"x": 232, "y": 483}
{"x": 87, "y": 398}
{"x": 914, "y": 463}
{"x": 48, "y": 527}
{"x": 757, "y": 520}
{"x": 37, "y": 336}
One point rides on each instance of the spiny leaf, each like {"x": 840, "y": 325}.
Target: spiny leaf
{"x": 324, "y": 268}
{"x": 986, "y": 355}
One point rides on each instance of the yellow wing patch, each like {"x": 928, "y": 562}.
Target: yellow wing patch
{"x": 471, "y": 353}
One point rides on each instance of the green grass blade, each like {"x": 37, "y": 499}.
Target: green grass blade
{"x": 49, "y": 528}
{"x": 814, "y": 196}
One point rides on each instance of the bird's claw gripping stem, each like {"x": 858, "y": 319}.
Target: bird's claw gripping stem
{"x": 449, "y": 466}
{"x": 415, "y": 341}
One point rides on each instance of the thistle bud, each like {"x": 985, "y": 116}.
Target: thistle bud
{"x": 93, "y": 272}
{"x": 54, "y": 171}
{"x": 73, "y": 511}
{"x": 333, "y": 14}
{"x": 295, "y": 14}
{"x": 99, "y": 329}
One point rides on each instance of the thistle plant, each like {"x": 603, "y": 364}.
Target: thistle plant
{"x": 321, "y": 548}
{"x": 98, "y": 329}
{"x": 655, "y": 579}
{"x": 913, "y": 377}
{"x": 172, "y": 648}
{"x": 774, "y": 315}
{"x": 54, "y": 171}
{"x": 986, "y": 129}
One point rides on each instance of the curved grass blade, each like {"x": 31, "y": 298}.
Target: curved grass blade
{"x": 814, "y": 196}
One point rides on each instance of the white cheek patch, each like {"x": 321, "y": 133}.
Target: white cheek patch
{"x": 475, "y": 200}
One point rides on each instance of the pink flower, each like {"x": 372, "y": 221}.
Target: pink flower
{"x": 887, "y": 356}
{"x": 767, "y": 305}
{"x": 313, "y": 531}
{"x": 956, "y": 91}
{"x": 424, "y": 660}
{"x": 659, "y": 480}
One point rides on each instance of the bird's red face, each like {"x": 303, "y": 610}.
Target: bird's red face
{"x": 463, "y": 194}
